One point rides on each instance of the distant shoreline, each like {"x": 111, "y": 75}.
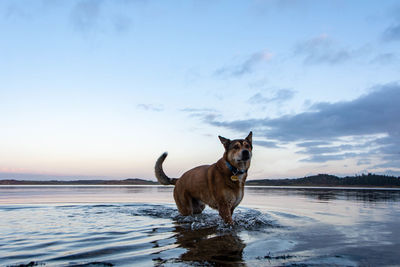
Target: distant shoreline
{"x": 134, "y": 181}
{"x": 320, "y": 180}
{"x": 283, "y": 187}
{"x": 326, "y": 180}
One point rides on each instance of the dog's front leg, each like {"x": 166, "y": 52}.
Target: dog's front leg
{"x": 225, "y": 213}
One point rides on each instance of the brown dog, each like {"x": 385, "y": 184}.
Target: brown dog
{"x": 219, "y": 185}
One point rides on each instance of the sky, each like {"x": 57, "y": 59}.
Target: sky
{"x": 100, "y": 89}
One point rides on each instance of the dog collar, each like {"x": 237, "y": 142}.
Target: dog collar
{"x": 235, "y": 171}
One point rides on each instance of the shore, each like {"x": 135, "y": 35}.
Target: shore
{"x": 320, "y": 180}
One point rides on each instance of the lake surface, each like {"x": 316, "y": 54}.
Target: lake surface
{"x": 140, "y": 226}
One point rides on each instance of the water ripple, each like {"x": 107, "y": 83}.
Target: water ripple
{"x": 100, "y": 235}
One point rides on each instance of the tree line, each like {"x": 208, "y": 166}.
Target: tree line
{"x": 332, "y": 180}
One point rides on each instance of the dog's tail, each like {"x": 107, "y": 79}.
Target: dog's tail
{"x": 161, "y": 176}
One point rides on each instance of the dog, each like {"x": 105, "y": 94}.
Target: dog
{"x": 220, "y": 185}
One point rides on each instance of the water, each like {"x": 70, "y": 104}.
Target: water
{"x": 140, "y": 226}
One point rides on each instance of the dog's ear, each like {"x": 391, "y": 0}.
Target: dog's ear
{"x": 249, "y": 138}
{"x": 224, "y": 141}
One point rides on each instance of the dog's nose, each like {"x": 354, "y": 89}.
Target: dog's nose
{"x": 245, "y": 155}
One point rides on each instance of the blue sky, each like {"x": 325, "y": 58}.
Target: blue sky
{"x": 99, "y": 89}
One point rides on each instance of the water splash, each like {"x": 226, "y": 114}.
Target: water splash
{"x": 244, "y": 218}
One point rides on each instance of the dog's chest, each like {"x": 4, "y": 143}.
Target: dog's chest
{"x": 234, "y": 197}
{"x": 239, "y": 198}
{"x": 239, "y": 194}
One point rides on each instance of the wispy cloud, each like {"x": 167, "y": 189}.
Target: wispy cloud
{"x": 210, "y": 116}
{"x": 312, "y": 143}
{"x": 392, "y": 33}
{"x": 340, "y": 149}
{"x": 279, "y": 97}
{"x": 150, "y": 107}
{"x": 267, "y": 144}
{"x": 86, "y": 14}
{"x": 367, "y": 126}
{"x": 205, "y": 114}
{"x": 197, "y": 110}
{"x": 93, "y": 15}
{"x": 322, "y": 50}
{"x": 385, "y": 58}
{"x": 246, "y": 67}
{"x": 16, "y": 10}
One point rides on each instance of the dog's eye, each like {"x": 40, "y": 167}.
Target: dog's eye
{"x": 235, "y": 147}
{"x": 247, "y": 146}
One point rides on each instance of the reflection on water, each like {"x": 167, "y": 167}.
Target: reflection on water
{"x": 163, "y": 194}
{"x": 329, "y": 194}
{"x": 205, "y": 245}
{"x": 121, "y": 226}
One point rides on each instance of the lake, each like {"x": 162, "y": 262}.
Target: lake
{"x": 140, "y": 225}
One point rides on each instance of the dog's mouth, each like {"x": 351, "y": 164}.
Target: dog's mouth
{"x": 242, "y": 161}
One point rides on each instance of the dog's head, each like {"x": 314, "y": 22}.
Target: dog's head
{"x": 238, "y": 152}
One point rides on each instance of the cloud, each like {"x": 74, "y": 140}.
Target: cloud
{"x": 92, "y": 15}
{"x": 16, "y": 10}
{"x": 246, "y": 67}
{"x": 322, "y": 50}
{"x": 338, "y": 150}
{"x": 318, "y": 149}
{"x": 363, "y": 162}
{"x": 268, "y": 144}
{"x": 392, "y": 33}
{"x": 204, "y": 113}
{"x": 364, "y": 127}
{"x": 390, "y": 150}
{"x": 150, "y": 107}
{"x": 121, "y": 23}
{"x": 196, "y": 110}
{"x": 209, "y": 116}
{"x": 329, "y": 157}
{"x": 279, "y": 97}
{"x": 86, "y": 14}
{"x": 312, "y": 143}
{"x": 384, "y": 58}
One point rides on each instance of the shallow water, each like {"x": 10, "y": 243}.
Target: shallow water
{"x": 139, "y": 225}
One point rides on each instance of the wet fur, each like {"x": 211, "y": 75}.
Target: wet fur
{"x": 211, "y": 184}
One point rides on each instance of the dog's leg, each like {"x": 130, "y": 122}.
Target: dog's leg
{"x": 184, "y": 203}
{"x": 198, "y": 206}
{"x": 232, "y": 209}
{"x": 225, "y": 213}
